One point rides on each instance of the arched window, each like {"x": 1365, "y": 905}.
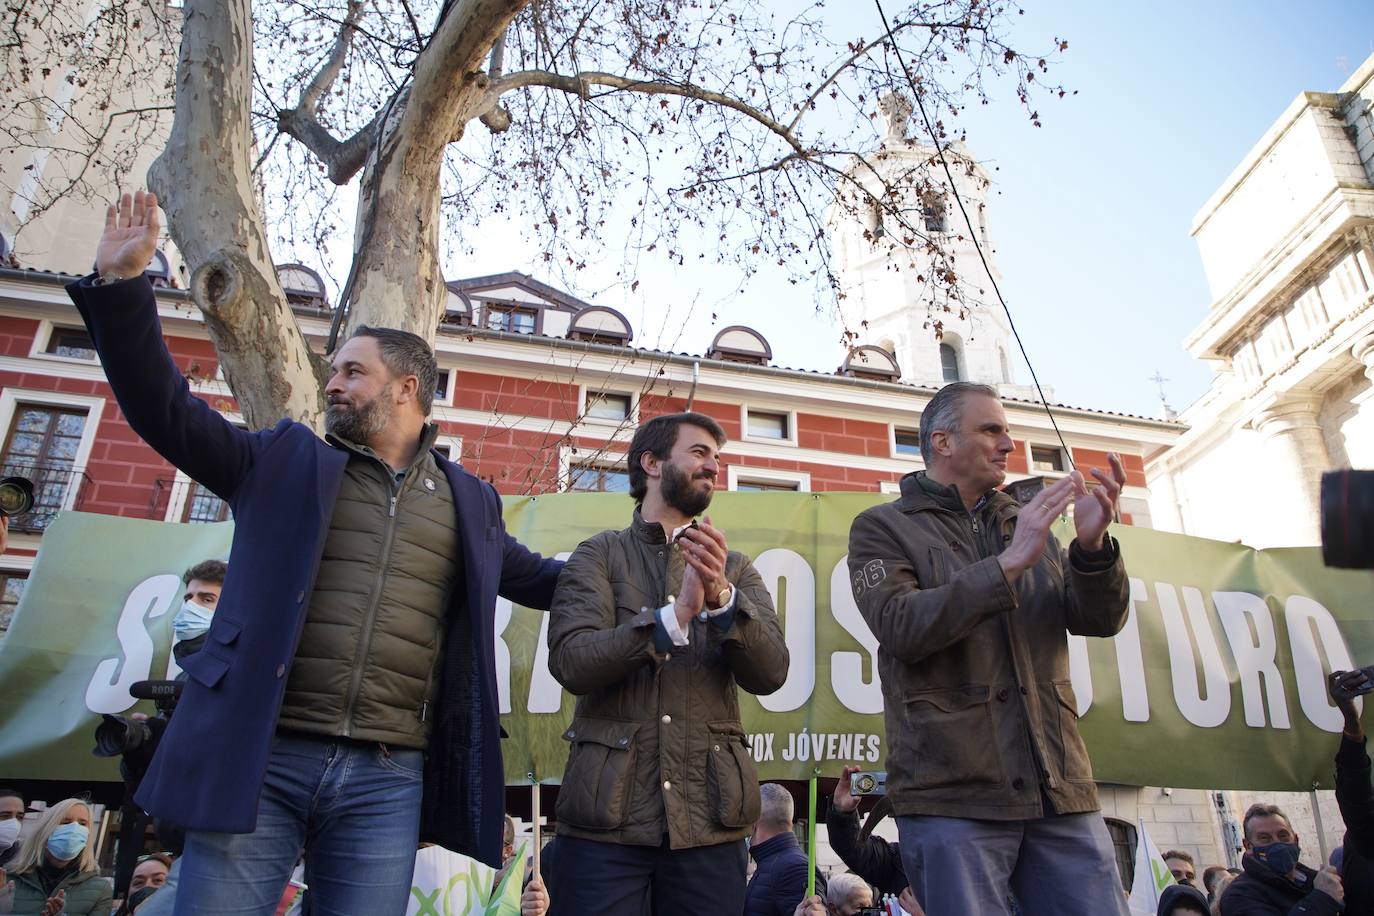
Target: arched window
{"x": 949, "y": 363}
{"x": 1006, "y": 370}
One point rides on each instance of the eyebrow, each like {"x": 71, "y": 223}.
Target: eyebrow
{"x": 348, "y": 364}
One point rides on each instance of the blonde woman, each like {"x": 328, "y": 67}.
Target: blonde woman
{"x": 55, "y": 871}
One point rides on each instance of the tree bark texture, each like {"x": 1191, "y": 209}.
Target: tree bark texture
{"x": 203, "y": 180}
{"x": 397, "y": 281}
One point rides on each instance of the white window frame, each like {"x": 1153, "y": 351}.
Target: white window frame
{"x": 455, "y": 446}
{"x": 11, "y": 398}
{"x": 42, "y": 339}
{"x": 790, "y": 415}
{"x": 1033, "y": 471}
{"x": 611, "y": 461}
{"x": 447, "y": 399}
{"x": 892, "y": 443}
{"x": 585, "y": 392}
{"x": 734, "y": 473}
{"x": 890, "y": 487}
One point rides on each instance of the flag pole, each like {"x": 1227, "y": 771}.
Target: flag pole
{"x": 534, "y": 817}
{"x": 811, "y": 836}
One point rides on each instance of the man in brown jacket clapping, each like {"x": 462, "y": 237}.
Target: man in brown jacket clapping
{"x": 970, "y": 596}
{"x": 652, "y": 627}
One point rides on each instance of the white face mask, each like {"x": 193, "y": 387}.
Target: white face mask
{"x": 9, "y": 831}
{"x": 191, "y": 621}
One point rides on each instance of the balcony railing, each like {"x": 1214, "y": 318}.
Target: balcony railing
{"x": 55, "y": 487}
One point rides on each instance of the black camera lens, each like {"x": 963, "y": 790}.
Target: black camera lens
{"x": 1347, "y": 505}
{"x": 117, "y": 735}
{"x": 16, "y": 495}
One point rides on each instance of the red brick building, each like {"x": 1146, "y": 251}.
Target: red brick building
{"x": 539, "y": 392}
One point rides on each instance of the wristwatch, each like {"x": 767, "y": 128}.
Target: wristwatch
{"x": 723, "y": 596}
{"x": 106, "y": 279}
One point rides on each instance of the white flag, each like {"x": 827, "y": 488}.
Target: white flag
{"x": 1151, "y": 875}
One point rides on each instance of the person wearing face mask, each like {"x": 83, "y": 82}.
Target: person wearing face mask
{"x": 55, "y": 871}
{"x": 1274, "y": 882}
{"x": 203, "y": 584}
{"x": 11, "y": 820}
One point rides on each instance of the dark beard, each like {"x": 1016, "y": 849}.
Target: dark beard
{"x": 359, "y": 425}
{"x": 677, "y": 492}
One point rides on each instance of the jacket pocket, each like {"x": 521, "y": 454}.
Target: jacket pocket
{"x": 732, "y": 783}
{"x": 205, "y": 667}
{"x": 950, "y": 739}
{"x": 595, "y": 794}
{"x": 1074, "y": 762}
{"x": 936, "y": 572}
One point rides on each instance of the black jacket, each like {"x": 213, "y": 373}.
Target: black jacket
{"x": 872, "y": 858}
{"x": 779, "y": 881}
{"x": 1260, "y": 892}
{"x": 1355, "y": 795}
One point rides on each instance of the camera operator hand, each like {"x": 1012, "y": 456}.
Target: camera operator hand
{"x": 1328, "y": 881}
{"x": 1341, "y": 685}
{"x": 845, "y": 801}
{"x": 4, "y": 532}
{"x": 130, "y": 238}
{"x": 908, "y": 902}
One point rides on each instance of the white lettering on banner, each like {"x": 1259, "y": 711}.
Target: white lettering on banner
{"x": 1211, "y": 710}
{"x": 847, "y": 668}
{"x": 108, "y": 690}
{"x": 1245, "y": 619}
{"x": 1130, "y": 661}
{"x": 792, "y": 584}
{"x": 546, "y": 694}
{"x": 1080, "y": 673}
{"x": 1303, "y": 614}
{"x": 504, "y": 609}
{"x": 1250, "y": 631}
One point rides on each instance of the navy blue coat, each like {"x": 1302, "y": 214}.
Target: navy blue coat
{"x": 779, "y": 881}
{"x": 281, "y": 484}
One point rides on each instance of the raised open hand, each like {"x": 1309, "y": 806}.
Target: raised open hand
{"x": 1094, "y": 509}
{"x": 130, "y": 237}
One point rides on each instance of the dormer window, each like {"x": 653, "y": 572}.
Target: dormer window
{"x": 600, "y": 324}
{"x": 949, "y": 363}
{"x": 513, "y": 319}
{"x": 738, "y": 344}
{"x": 302, "y": 286}
{"x": 159, "y": 272}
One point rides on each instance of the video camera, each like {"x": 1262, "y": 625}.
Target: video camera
{"x": 1347, "y": 507}
{"x": 16, "y": 496}
{"x": 136, "y": 739}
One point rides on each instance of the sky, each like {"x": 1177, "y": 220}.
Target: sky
{"x": 1089, "y": 214}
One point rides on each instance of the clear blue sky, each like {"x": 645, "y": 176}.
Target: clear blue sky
{"x": 1090, "y": 213}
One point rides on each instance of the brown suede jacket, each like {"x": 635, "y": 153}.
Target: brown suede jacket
{"x": 981, "y": 717}
{"x": 657, "y": 748}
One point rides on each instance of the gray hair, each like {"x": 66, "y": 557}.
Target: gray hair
{"x": 404, "y": 353}
{"x": 840, "y": 888}
{"x": 775, "y": 809}
{"x": 945, "y": 411}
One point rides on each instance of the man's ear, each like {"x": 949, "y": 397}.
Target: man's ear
{"x": 939, "y": 440}
{"x": 649, "y": 463}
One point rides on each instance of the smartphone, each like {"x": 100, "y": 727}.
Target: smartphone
{"x": 1361, "y": 690}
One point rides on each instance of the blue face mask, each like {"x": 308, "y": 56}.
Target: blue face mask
{"x": 191, "y": 621}
{"x": 67, "y": 841}
{"x": 1280, "y": 858}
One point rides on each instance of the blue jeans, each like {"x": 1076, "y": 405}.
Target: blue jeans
{"x": 352, "y": 809}
{"x": 1062, "y": 865}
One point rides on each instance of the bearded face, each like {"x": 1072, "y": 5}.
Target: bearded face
{"x": 361, "y": 421}
{"x": 689, "y": 494}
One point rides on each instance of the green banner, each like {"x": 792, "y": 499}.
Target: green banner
{"x": 1217, "y": 681}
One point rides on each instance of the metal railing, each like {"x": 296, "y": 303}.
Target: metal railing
{"x": 55, "y": 487}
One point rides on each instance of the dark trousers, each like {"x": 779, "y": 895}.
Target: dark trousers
{"x": 589, "y": 878}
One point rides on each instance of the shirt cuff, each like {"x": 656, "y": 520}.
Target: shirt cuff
{"x": 668, "y": 628}
{"x": 724, "y": 616}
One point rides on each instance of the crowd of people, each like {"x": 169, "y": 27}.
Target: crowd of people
{"x": 340, "y": 704}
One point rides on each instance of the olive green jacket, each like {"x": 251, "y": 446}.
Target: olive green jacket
{"x": 88, "y": 894}
{"x": 657, "y": 748}
{"x": 980, "y": 713}
{"x": 368, "y": 659}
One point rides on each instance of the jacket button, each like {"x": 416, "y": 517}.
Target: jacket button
{"x": 624, "y": 741}
{"x": 571, "y": 733}
{"x": 281, "y": 669}
{"x": 667, "y": 720}
{"x": 667, "y": 786}
{"x": 1024, "y": 691}
{"x": 715, "y": 747}
{"x": 1003, "y": 694}
{"x": 1018, "y": 783}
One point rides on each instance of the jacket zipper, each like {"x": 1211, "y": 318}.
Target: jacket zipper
{"x": 370, "y": 618}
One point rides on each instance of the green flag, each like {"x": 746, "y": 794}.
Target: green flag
{"x": 506, "y": 900}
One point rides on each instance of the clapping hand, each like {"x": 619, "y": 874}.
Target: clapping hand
{"x": 1094, "y": 509}
{"x": 54, "y": 905}
{"x": 130, "y": 238}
